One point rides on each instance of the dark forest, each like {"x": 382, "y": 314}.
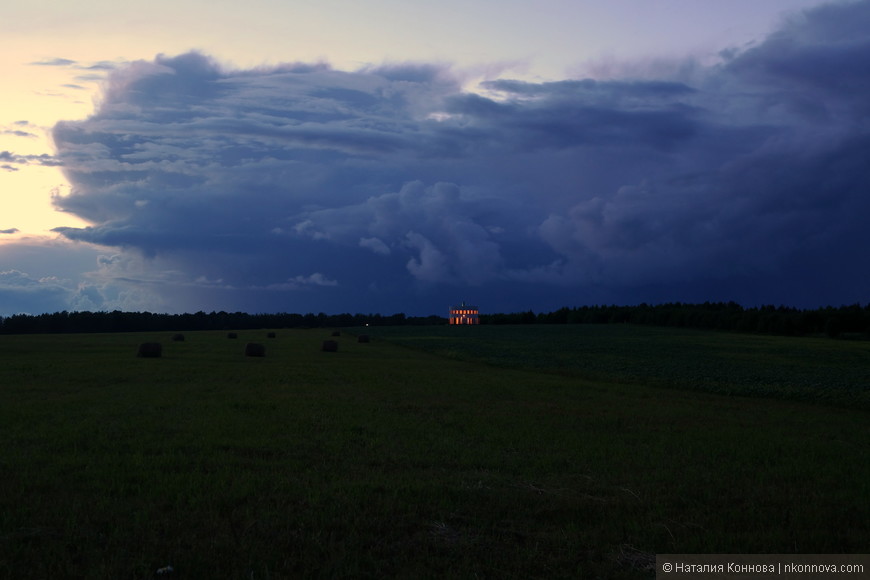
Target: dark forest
{"x": 835, "y": 322}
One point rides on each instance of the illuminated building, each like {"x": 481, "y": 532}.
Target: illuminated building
{"x": 464, "y": 314}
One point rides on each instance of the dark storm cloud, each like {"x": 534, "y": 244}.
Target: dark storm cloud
{"x": 29, "y": 294}
{"x": 9, "y": 231}
{"x": 750, "y": 182}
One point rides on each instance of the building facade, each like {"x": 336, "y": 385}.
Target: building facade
{"x": 464, "y": 314}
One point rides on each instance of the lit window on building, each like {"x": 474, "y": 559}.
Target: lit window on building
{"x": 464, "y": 314}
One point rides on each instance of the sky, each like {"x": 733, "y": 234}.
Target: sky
{"x": 387, "y": 156}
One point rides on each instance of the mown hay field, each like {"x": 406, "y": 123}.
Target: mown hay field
{"x": 379, "y": 460}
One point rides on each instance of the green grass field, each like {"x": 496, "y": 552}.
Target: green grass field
{"x": 568, "y": 456}
{"x": 809, "y": 369}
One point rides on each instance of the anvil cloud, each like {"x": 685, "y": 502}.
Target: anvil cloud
{"x": 397, "y": 188}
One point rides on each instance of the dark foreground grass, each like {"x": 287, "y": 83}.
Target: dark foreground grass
{"x": 379, "y": 461}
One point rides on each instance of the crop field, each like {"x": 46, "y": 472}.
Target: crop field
{"x": 810, "y": 369}
{"x": 490, "y": 452}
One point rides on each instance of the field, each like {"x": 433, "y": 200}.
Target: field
{"x": 495, "y": 452}
{"x": 809, "y": 369}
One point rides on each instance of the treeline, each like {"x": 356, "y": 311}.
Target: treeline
{"x": 844, "y": 321}
{"x": 853, "y": 320}
{"x": 118, "y": 321}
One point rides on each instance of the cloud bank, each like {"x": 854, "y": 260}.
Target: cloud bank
{"x": 395, "y": 188}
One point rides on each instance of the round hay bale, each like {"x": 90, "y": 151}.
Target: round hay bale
{"x": 255, "y": 349}
{"x": 150, "y": 350}
{"x": 330, "y": 346}
{"x": 336, "y": 333}
{"x": 178, "y": 337}
{"x": 270, "y": 335}
{"x": 232, "y": 335}
{"x": 363, "y": 338}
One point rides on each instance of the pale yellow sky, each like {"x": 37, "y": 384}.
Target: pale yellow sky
{"x": 35, "y": 95}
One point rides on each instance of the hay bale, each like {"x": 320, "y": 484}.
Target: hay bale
{"x": 232, "y": 335}
{"x": 270, "y": 335}
{"x": 363, "y": 338}
{"x": 330, "y": 346}
{"x": 255, "y": 349}
{"x": 150, "y": 350}
{"x": 336, "y": 333}
{"x": 178, "y": 337}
